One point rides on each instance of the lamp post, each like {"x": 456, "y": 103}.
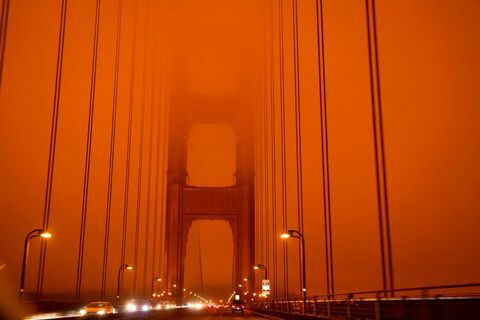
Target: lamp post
{"x": 155, "y": 279}
{"x": 264, "y": 268}
{"x": 120, "y": 269}
{"x": 261, "y": 266}
{"x": 297, "y": 235}
{"x": 32, "y": 234}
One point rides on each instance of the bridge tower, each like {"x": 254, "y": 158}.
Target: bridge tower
{"x": 186, "y": 204}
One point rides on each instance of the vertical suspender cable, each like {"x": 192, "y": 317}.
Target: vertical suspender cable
{"x": 53, "y": 142}
{"x": 266, "y": 229}
{"x": 157, "y": 153}
{"x": 298, "y": 129}
{"x": 283, "y": 143}
{"x": 86, "y": 178}
{"x": 163, "y": 201}
{"x": 273, "y": 158}
{"x": 264, "y": 137}
{"x": 140, "y": 163}
{"x": 200, "y": 265}
{"x": 112, "y": 151}
{"x": 325, "y": 150}
{"x": 149, "y": 182}
{"x": 129, "y": 141}
{"x": 379, "y": 148}
{"x": 3, "y": 34}
{"x": 258, "y": 147}
{"x": 161, "y": 168}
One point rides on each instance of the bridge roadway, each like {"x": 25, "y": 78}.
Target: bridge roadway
{"x": 180, "y": 314}
{"x": 208, "y": 315}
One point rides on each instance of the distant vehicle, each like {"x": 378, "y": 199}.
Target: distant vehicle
{"x": 134, "y": 305}
{"x": 238, "y": 305}
{"x": 97, "y": 308}
{"x": 212, "y": 307}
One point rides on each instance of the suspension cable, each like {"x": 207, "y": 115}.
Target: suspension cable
{"x": 324, "y": 145}
{"x": 3, "y": 34}
{"x": 379, "y": 148}
{"x": 283, "y": 144}
{"x": 149, "y": 180}
{"x": 112, "y": 151}
{"x": 86, "y": 178}
{"x": 140, "y": 161}
{"x": 129, "y": 142}
{"x": 200, "y": 265}
{"x": 164, "y": 180}
{"x": 266, "y": 140}
{"x": 162, "y": 169}
{"x": 298, "y": 128}
{"x": 273, "y": 147}
{"x": 157, "y": 155}
{"x": 53, "y": 143}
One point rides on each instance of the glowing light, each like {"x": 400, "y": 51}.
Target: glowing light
{"x": 101, "y": 312}
{"x": 285, "y": 235}
{"x": 83, "y": 312}
{"x": 131, "y": 307}
{"x": 45, "y": 235}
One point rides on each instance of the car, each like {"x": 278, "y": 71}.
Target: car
{"x": 97, "y": 308}
{"x": 136, "y": 305}
{"x": 238, "y": 305}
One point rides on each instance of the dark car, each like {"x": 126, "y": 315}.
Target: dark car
{"x": 238, "y": 305}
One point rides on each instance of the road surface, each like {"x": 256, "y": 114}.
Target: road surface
{"x": 209, "y": 315}
{"x": 174, "y": 314}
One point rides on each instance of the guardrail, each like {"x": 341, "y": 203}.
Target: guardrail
{"x": 433, "y": 302}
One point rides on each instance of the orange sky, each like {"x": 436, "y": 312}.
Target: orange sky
{"x": 211, "y": 53}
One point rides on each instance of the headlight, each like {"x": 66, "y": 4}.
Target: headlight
{"x": 101, "y": 312}
{"x": 145, "y": 307}
{"x": 131, "y": 307}
{"x": 83, "y": 312}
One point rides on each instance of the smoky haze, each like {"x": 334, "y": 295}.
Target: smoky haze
{"x": 211, "y": 58}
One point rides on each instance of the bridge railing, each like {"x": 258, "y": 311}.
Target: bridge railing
{"x": 431, "y": 302}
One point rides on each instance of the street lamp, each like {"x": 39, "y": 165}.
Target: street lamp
{"x": 32, "y": 234}
{"x": 261, "y": 266}
{"x": 156, "y": 279}
{"x": 296, "y": 234}
{"x": 120, "y": 269}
